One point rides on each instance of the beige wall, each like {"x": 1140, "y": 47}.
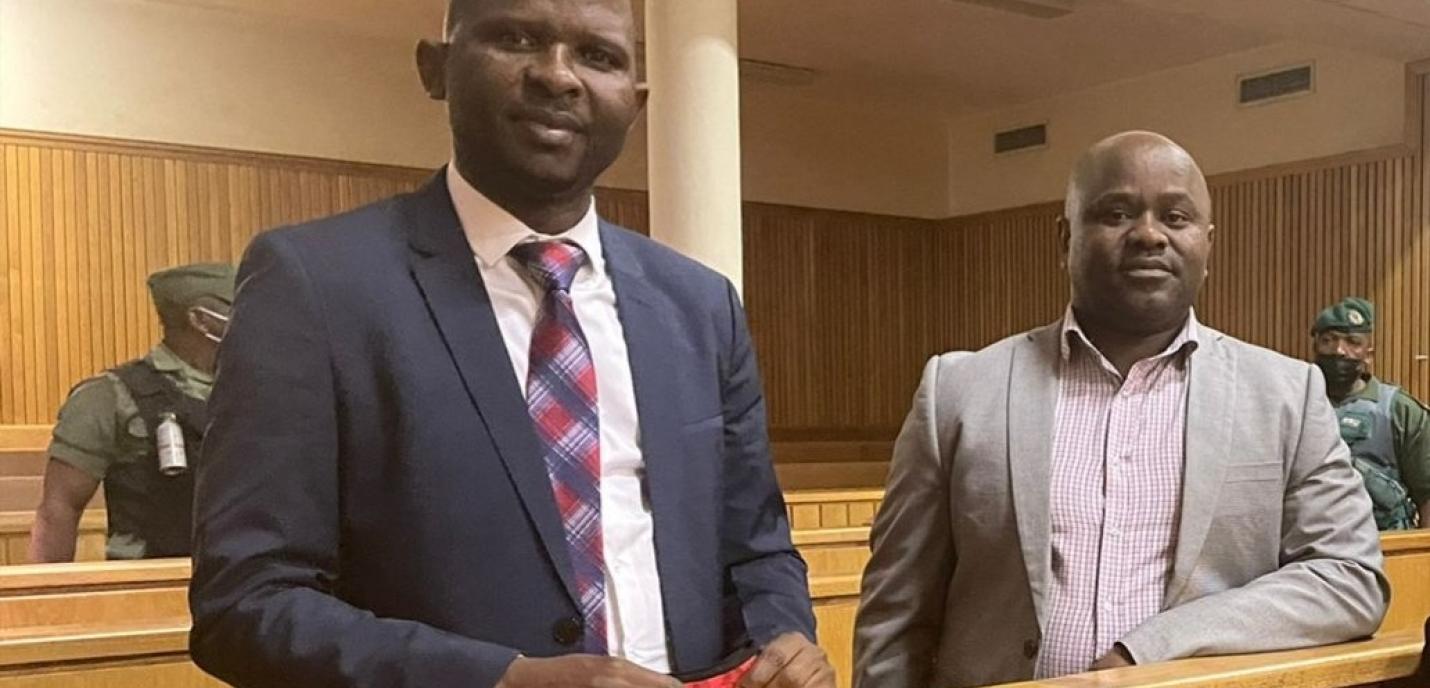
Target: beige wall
{"x": 181, "y": 73}
{"x": 818, "y": 154}
{"x": 184, "y": 73}
{"x": 1359, "y": 103}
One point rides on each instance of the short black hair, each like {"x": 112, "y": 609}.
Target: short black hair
{"x": 456, "y": 12}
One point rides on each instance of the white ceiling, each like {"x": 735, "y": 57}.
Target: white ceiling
{"x": 960, "y": 58}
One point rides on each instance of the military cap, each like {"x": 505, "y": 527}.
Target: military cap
{"x": 177, "y": 289}
{"x": 1352, "y": 314}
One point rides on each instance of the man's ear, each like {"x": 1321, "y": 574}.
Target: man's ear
{"x": 432, "y": 67}
{"x": 195, "y": 318}
{"x": 642, "y": 97}
{"x": 1211, "y": 241}
{"x": 642, "y": 94}
{"x": 1064, "y": 239}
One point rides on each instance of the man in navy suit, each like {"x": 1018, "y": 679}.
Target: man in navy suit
{"x": 474, "y": 436}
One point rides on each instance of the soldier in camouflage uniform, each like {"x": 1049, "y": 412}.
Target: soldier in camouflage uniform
{"x": 1387, "y": 430}
{"x": 106, "y": 431}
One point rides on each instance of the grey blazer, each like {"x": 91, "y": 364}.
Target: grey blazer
{"x": 1276, "y": 547}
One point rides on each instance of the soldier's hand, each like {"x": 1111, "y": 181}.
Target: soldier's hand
{"x": 790, "y": 661}
{"x": 581, "y": 671}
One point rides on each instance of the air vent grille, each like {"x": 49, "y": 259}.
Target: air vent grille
{"x": 1023, "y": 138}
{"x": 1281, "y": 83}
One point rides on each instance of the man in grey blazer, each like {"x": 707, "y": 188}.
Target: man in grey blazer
{"x": 1123, "y": 486}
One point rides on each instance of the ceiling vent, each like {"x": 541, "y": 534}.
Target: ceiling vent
{"x": 1023, "y": 138}
{"x": 1041, "y": 9}
{"x": 1278, "y": 84}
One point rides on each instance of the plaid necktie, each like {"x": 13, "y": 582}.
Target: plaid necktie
{"x": 561, "y": 397}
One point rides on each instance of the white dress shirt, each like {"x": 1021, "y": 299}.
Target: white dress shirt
{"x": 634, "y": 610}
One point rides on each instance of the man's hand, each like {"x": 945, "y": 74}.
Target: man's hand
{"x": 581, "y": 671}
{"x": 1116, "y": 657}
{"x": 790, "y": 661}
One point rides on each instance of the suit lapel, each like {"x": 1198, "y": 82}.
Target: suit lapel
{"x": 1032, "y": 409}
{"x": 1209, "y": 424}
{"x": 652, "y": 348}
{"x": 446, "y": 273}
{"x": 645, "y": 314}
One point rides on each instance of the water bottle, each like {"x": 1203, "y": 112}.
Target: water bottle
{"x": 172, "y": 459}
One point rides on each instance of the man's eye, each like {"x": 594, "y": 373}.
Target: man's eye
{"x": 600, "y": 58}
{"x": 516, "y": 40}
{"x": 1116, "y": 216}
{"x": 1177, "y": 218}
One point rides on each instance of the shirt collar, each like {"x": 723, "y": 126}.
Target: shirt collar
{"x": 492, "y": 231}
{"x": 165, "y": 360}
{"x": 1371, "y": 390}
{"x": 1186, "y": 340}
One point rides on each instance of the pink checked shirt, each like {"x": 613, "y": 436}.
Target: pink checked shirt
{"x": 1118, "y": 449}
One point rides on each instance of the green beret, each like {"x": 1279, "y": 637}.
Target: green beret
{"x": 177, "y": 289}
{"x": 1352, "y": 314}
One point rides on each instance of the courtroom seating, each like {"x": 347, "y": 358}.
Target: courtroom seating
{"x": 21, "y": 477}
{"x": 123, "y": 623}
{"x": 22, "y": 462}
{"x": 15, "y": 529}
{"x": 22, "y": 473}
{"x": 110, "y": 624}
{"x": 813, "y": 465}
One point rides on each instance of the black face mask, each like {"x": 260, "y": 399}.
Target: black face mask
{"x": 1340, "y": 372}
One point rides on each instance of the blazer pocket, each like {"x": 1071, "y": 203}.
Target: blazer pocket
{"x": 1254, "y": 472}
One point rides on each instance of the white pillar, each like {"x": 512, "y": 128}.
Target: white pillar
{"x": 693, "y": 130}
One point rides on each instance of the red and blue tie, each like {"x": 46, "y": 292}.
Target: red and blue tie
{"x": 561, "y": 397}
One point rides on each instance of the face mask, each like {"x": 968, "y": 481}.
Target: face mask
{"x": 1340, "y": 372}
{"x": 217, "y": 339}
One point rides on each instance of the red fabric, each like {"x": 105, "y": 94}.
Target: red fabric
{"x": 729, "y": 679}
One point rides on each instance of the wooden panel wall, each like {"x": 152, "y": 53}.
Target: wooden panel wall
{"x": 84, "y": 222}
{"x": 845, "y": 308}
{"x": 1289, "y": 244}
{"x": 1289, "y": 241}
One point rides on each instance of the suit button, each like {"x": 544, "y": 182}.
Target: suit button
{"x": 568, "y": 631}
{"x": 1030, "y": 648}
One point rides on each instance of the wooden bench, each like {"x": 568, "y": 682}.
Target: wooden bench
{"x": 127, "y": 621}
{"x": 15, "y": 529}
{"x": 110, "y": 624}
{"x": 831, "y": 465}
{"x": 1407, "y": 564}
{"x": 22, "y": 473}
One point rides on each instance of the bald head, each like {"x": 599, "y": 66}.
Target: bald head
{"x": 458, "y": 10}
{"x": 1138, "y": 234}
{"x": 1119, "y": 157}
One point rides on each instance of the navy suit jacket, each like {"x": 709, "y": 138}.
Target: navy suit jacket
{"x": 372, "y": 507}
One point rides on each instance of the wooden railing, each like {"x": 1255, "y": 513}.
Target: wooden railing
{"x": 92, "y": 624}
{"x": 1388, "y": 660}
{"x": 15, "y": 529}
{"x": 125, "y": 623}
{"x": 22, "y": 469}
